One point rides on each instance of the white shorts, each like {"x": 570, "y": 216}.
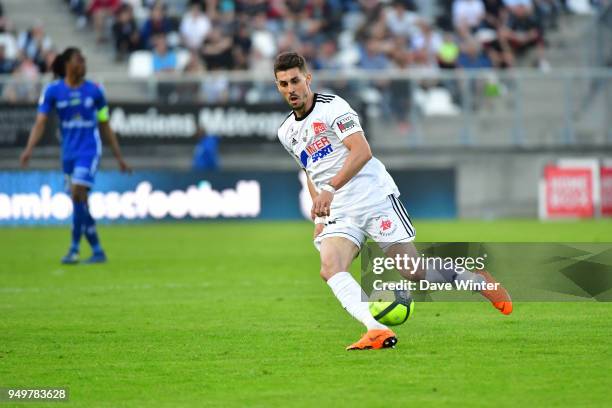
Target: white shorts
{"x": 386, "y": 224}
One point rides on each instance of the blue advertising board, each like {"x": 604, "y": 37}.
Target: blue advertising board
{"x": 39, "y": 197}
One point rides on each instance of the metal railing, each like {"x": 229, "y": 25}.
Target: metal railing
{"x": 414, "y": 108}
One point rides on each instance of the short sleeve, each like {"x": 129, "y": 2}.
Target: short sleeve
{"x": 45, "y": 102}
{"x": 343, "y": 119}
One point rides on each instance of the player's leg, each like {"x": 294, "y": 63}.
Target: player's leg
{"x": 72, "y": 257}
{"x": 337, "y": 254}
{"x": 399, "y": 242}
{"x": 82, "y": 181}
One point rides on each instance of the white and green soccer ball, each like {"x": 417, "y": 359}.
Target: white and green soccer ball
{"x": 391, "y": 309}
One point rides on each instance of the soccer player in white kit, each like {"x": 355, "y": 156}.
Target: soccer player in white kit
{"x": 353, "y": 195}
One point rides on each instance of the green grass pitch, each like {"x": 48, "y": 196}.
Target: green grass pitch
{"x": 235, "y": 314}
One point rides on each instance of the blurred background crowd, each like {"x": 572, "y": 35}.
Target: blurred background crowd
{"x": 332, "y": 34}
{"x": 161, "y": 37}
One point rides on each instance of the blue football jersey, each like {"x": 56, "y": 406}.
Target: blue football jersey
{"x": 78, "y": 110}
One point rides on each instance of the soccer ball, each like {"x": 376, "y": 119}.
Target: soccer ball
{"x": 392, "y": 312}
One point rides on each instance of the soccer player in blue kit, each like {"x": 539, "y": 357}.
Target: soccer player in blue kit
{"x": 83, "y": 114}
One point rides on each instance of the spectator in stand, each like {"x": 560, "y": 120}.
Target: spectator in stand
{"x": 372, "y": 57}
{"x": 125, "y": 32}
{"x": 164, "y": 59}
{"x": 489, "y": 35}
{"x": 512, "y": 5}
{"x": 217, "y": 51}
{"x": 34, "y": 44}
{"x": 242, "y": 47}
{"x": 473, "y": 57}
{"x": 401, "y": 21}
{"x": 251, "y": 8}
{"x": 426, "y": 46}
{"x": 468, "y": 16}
{"x": 24, "y": 84}
{"x": 158, "y": 23}
{"x": 6, "y": 65}
{"x": 100, "y": 11}
{"x": 79, "y": 8}
{"x": 195, "y": 26}
{"x": 523, "y": 33}
{"x": 327, "y": 57}
{"x": 326, "y": 18}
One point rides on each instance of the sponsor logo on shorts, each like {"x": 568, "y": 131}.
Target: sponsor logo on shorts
{"x": 317, "y": 150}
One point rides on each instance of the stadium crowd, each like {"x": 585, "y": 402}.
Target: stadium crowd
{"x": 331, "y": 34}
{"x": 24, "y": 54}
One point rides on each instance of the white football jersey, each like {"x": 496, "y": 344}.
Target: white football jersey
{"x": 315, "y": 141}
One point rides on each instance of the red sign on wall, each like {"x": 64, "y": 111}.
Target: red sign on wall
{"x": 606, "y": 191}
{"x": 569, "y": 192}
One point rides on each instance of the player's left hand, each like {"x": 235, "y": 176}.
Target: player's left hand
{"x": 322, "y": 203}
{"x": 123, "y": 166}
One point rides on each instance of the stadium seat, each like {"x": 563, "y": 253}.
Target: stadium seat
{"x": 141, "y": 64}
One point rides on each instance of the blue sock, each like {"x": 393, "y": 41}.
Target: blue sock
{"x": 89, "y": 228}
{"x": 78, "y": 216}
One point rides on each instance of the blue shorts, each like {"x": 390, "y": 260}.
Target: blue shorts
{"x": 81, "y": 170}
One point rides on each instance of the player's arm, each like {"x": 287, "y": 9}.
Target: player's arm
{"x": 359, "y": 155}
{"x": 311, "y": 188}
{"x": 111, "y": 138}
{"x": 35, "y": 135}
{"x": 105, "y": 129}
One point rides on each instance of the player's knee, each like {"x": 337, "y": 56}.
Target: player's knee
{"x": 329, "y": 268}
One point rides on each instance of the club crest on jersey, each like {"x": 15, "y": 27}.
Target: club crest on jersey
{"x": 316, "y": 150}
{"x": 318, "y": 127}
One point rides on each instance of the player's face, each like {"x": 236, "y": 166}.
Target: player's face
{"x": 294, "y": 85}
{"x": 77, "y": 65}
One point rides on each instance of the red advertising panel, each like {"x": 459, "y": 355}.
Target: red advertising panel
{"x": 569, "y": 192}
{"x": 606, "y": 191}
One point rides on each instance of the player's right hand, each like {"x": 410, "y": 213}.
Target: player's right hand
{"x": 317, "y": 230}
{"x": 24, "y": 159}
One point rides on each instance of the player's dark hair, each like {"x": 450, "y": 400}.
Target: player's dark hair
{"x": 288, "y": 60}
{"x": 59, "y": 63}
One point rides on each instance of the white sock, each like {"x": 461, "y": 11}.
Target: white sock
{"x": 349, "y": 293}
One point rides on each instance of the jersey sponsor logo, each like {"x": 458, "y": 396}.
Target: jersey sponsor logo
{"x": 346, "y": 123}
{"x": 317, "y": 150}
{"x": 319, "y": 128}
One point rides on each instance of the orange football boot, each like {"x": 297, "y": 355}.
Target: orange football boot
{"x": 499, "y": 297}
{"x": 375, "y": 339}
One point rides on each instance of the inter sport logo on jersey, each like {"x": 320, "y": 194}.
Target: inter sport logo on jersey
{"x": 317, "y": 150}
